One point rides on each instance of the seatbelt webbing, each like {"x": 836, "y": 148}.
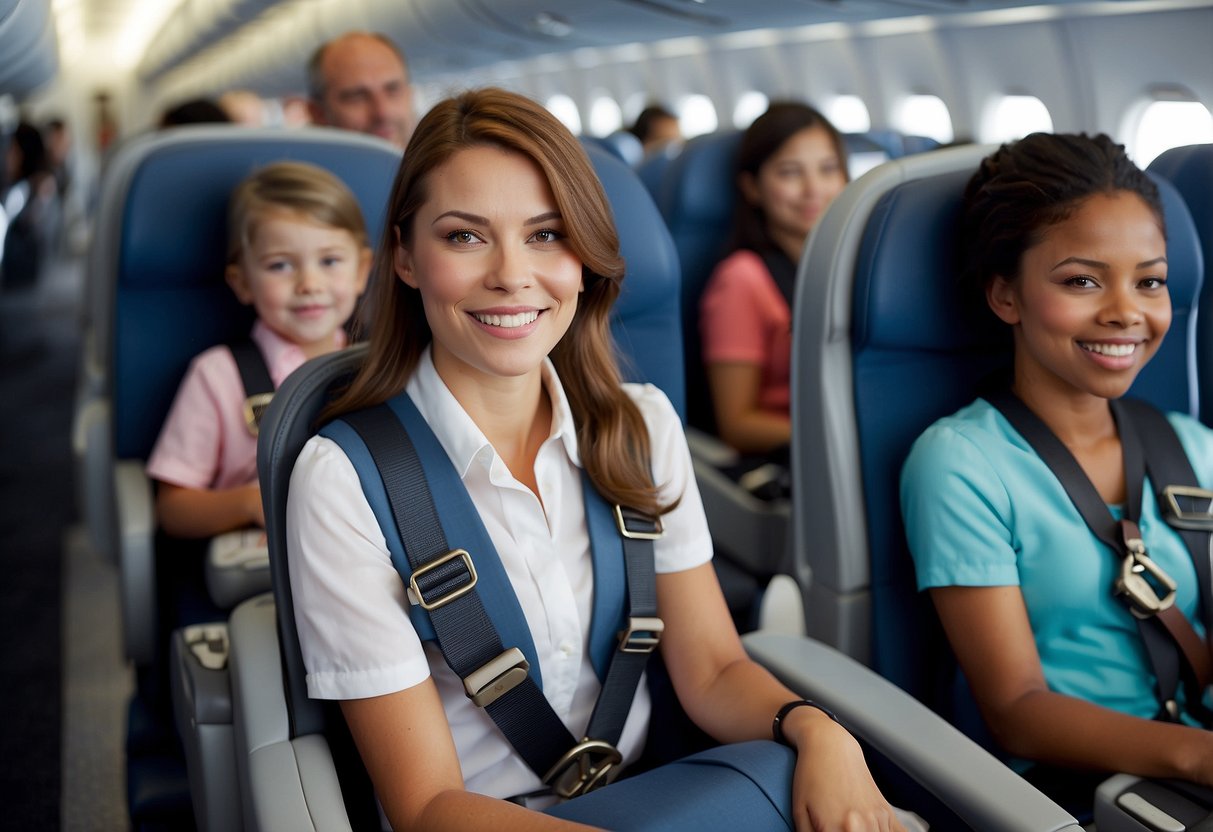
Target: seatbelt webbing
{"x": 465, "y": 633}
{"x": 1162, "y": 635}
{"x": 254, "y": 374}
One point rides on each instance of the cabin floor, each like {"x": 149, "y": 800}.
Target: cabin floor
{"x": 65, "y": 682}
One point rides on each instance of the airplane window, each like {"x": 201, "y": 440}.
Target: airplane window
{"x": 925, "y": 115}
{"x": 565, "y": 109}
{"x": 1015, "y": 116}
{"x": 848, "y": 113}
{"x": 1167, "y": 124}
{"x": 749, "y": 107}
{"x": 605, "y": 116}
{"x": 697, "y": 115}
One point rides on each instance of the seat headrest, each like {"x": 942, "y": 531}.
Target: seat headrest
{"x": 169, "y": 298}
{"x": 646, "y": 320}
{"x": 907, "y": 294}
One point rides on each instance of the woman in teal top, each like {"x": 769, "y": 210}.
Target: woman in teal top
{"x": 1066, "y": 238}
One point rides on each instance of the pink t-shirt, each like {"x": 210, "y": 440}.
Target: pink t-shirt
{"x": 205, "y": 442}
{"x": 744, "y": 319}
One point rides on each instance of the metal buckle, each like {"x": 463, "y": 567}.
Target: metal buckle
{"x": 634, "y": 638}
{"x": 641, "y": 534}
{"x": 451, "y": 595}
{"x": 588, "y": 765}
{"x": 495, "y": 678}
{"x": 254, "y": 409}
{"x": 1132, "y": 584}
{"x": 1175, "y": 497}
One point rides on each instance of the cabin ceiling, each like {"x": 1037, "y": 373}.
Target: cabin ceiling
{"x": 263, "y": 44}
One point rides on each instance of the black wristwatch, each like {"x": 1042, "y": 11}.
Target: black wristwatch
{"x": 777, "y": 725}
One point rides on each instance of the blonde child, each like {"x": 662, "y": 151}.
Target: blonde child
{"x": 298, "y": 254}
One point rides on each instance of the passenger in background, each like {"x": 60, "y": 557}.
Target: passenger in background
{"x": 194, "y": 111}
{"x": 1064, "y": 239}
{"x": 494, "y": 289}
{"x": 360, "y": 81}
{"x": 244, "y": 107}
{"x": 297, "y": 252}
{"x": 656, "y": 127}
{"x": 790, "y": 165}
{"x": 27, "y": 194}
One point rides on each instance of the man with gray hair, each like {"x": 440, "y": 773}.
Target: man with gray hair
{"x": 360, "y": 81}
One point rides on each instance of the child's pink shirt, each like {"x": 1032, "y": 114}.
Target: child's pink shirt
{"x": 205, "y": 442}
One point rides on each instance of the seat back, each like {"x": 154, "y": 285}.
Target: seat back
{"x": 158, "y": 298}
{"x": 881, "y": 324}
{"x": 696, "y": 198}
{"x": 645, "y": 326}
{"x": 167, "y": 298}
{"x": 1190, "y": 170}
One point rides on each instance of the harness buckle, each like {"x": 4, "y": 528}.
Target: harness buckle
{"x": 1188, "y": 507}
{"x": 443, "y": 579}
{"x": 254, "y": 408}
{"x": 1133, "y": 585}
{"x": 642, "y": 635}
{"x": 496, "y": 677}
{"x": 637, "y": 526}
{"x": 588, "y": 765}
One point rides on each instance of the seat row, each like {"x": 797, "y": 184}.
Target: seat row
{"x": 156, "y": 300}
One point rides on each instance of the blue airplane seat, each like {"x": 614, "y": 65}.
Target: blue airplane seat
{"x": 653, "y": 166}
{"x": 296, "y": 764}
{"x": 645, "y": 325}
{"x": 158, "y": 297}
{"x": 621, "y": 144}
{"x": 890, "y": 141}
{"x": 1190, "y": 170}
{"x": 918, "y": 144}
{"x": 884, "y": 345}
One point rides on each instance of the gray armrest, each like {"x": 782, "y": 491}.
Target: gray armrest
{"x": 980, "y": 789}
{"x": 753, "y": 533}
{"x": 286, "y": 784}
{"x": 136, "y": 520}
{"x": 93, "y": 456}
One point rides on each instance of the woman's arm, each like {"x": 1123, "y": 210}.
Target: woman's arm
{"x": 990, "y": 633}
{"x": 201, "y": 512}
{"x": 735, "y": 699}
{"x": 742, "y": 423}
{"x": 406, "y": 746}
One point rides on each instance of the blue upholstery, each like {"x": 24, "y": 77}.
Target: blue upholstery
{"x": 621, "y": 144}
{"x": 644, "y": 325}
{"x": 170, "y": 300}
{"x": 906, "y": 338}
{"x": 1190, "y": 170}
{"x": 645, "y": 321}
{"x": 696, "y": 198}
{"x": 652, "y": 168}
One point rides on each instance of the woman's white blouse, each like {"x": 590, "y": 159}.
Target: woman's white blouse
{"x": 354, "y": 630}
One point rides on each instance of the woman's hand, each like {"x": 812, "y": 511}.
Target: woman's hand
{"x": 832, "y": 789}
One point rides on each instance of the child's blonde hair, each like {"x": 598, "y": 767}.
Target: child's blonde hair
{"x": 294, "y": 186}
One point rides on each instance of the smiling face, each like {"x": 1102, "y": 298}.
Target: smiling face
{"x": 795, "y": 186}
{"x": 1090, "y": 304}
{"x": 488, "y": 253}
{"x": 366, "y": 88}
{"x": 302, "y": 277}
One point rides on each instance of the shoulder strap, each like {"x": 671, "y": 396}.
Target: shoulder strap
{"x": 415, "y": 474}
{"x": 1165, "y": 632}
{"x": 254, "y": 374}
{"x": 783, "y": 272}
{"x": 1168, "y": 465}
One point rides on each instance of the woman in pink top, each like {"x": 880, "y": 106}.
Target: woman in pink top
{"x": 791, "y": 164}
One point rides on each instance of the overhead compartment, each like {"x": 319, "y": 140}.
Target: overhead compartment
{"x": 27, "y": 42}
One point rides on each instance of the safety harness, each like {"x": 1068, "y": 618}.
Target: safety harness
{"x": 463, "y": 600}
{"x": 1150, "y": 448}
{"x": 255, "y": 376}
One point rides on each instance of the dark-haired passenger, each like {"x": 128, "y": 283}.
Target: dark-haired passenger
{"x": 656, "y": 127}
{"x": 790, "y": 166}
{"x": 1065, "y": 238}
